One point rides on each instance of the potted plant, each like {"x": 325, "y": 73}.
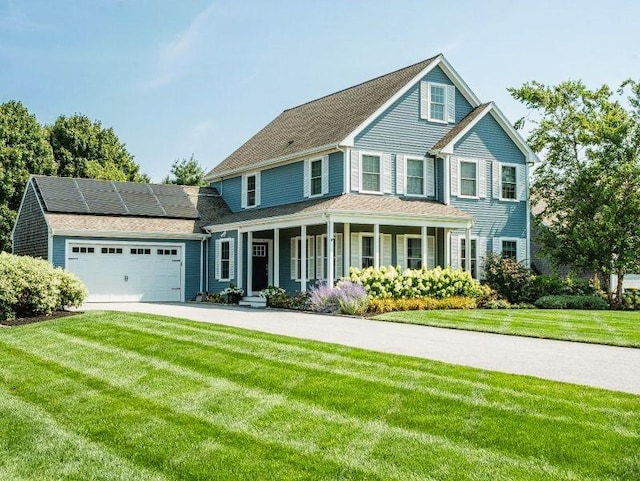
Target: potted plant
{"x": 233, "y": 293}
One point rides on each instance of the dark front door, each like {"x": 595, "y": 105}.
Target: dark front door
{"x": 260, "y": 266}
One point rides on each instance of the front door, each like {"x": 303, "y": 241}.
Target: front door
{"x": 260, "y": 267}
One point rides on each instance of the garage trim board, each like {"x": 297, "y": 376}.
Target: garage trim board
{"x": 128, "y": 271}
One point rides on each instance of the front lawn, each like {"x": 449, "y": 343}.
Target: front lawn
{"x": 618, "y": 328}
{"x": 141, "y": 397}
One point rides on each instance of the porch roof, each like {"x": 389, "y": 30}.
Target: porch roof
{"x": 348, "y": 208}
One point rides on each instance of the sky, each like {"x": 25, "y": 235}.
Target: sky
{"x": 181, "y": 77}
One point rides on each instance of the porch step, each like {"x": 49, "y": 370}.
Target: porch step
{"x": 253, "y": 301}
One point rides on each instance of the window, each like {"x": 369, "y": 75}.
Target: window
{"x": 508, "y": 182}
{"x": 167, "y": 252}
{"x": 474, "y": 256}
{"x": 251, "y": 190}
{"x": 415, "y": 176}
{"x": 225, "y": 260}
{"x": 296, "y": 257}
{"x": 510, "y": 249}
{"x": 111, "y": 250}
{"x": 140, "y": 251}
{"x": 468, "y": 179}
{"x": 259, "y": 250}
{"x": 316, "y": 177}
{"x": 367, "y": 251}
{"x": 371, "y": 173}
{"x": 437, "y": 102}
{"x": 414, "y": 252}
{"x": 83, "y": 250}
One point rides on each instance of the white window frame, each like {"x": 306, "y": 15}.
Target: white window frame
{"x": 445, "y": 110}
{"x": 380, "y": 172}
{"x": 406, "y": 176}
{"x": 477, "y": 258}
{"x": 245, "y": 190}
{"x": 515, "y": 166}
{"x": 321, "y": 248}
{"x": 373, "y": 256}
{"x": 229, "y": 277}
{"x": 311, "y": 161}
{"x": 310, "y": 256}
{"x": 509, "y": 239}
{"x": 462, "y": 160}
{"x": 406, "y": 248}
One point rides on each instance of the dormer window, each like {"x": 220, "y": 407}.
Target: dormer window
{"x": 251, "y": 190}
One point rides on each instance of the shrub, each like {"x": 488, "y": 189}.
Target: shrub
{"x": 555, "y": 285}
{"x": 394, "y": 283}
{"x": 510, "y": 278}
{"x": 380, "y": 306}
{"x": 31, "y": 287}
{"x": 497, "y": 304}
{"x": 271, "y": 292}
{"x": 346, "y": 298}
{"x": 571, "y": 302}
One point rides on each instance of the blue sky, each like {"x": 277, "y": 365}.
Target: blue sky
{"x": 193, "y": 76}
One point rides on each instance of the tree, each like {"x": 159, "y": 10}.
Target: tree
{"x": 589, "y": 182}
{"x": 83, "y": 148}
{"x": 186, "y": 172}
{"x": 24, "y": 150}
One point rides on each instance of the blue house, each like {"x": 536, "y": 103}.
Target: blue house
{"x": 407, "y": 169}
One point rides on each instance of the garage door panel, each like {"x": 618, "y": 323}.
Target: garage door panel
{"x": 128, "y": 272}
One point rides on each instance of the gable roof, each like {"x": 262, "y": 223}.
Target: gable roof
{"x": 95, "y": 215}
{"x": 320, "y": 124}
{"x": 455, "y": 133}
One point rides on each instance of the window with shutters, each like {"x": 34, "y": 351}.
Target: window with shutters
{"x": 296, "y": 257}
{"x": 414, "y": 252}
{"x": 468, "y": 178}
{"x": 367, "y": 251}
{"x": 510, "y": 249}
{"x": 370, "y": 167}
{"x": 251, "y": 190}
{"x": 415, "y": 176}
{"x": 316, "y": 177}
{"x": 508, "y": 182}
{"x": 225, "y": 260}
{"x": 437, "y": 102}
{"x": 474, "y": 256}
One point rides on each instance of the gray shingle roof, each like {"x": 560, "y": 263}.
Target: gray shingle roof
{"x": 460, "y": 126}
{"x": 321, "y": 122}
{"x": 351, "y": 203}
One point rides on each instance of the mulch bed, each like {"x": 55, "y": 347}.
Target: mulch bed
{"x": 19, "y": 321}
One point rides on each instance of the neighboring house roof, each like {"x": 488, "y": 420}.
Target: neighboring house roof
{"x": 351, "y": 204}
{"x": 324, "y": 122}
{"x": 203, "y": 205}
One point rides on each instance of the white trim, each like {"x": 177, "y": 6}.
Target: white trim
{"x": 477, "y": 258}
{"x": 346, "y": 174}
{"x": 407, "y": 158}
{"x": 471, "y": 161}
{"x": 269, "y": 243}
{"x": 446, "y": 67}
{"x": 127, "y": 234}
{"x": 517, "y": 240}
{"x": 405, "y": 248}
{"x": 297, "y": 256}
{"x": 445, "y": 104}
{"x": 219, "y": 242}
{"x": 276, "y": 257}
{"x": 528, "y": 209}
{"x": 182, "y": 245}
{"x": 448, "y": 149}
{"x": 380, "y": 172}
{"x": 245, "y": 190}
{"x": 516, "y": 167}
{"x": 310, "y": 162}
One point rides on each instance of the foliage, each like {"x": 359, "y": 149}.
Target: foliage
{"x": 571, "y": 302}
{"x": 272, "y": 292}
{"x": 300, "y": 301}
{"x": 381, "y": 306}
{"x": 217, "y": 298}
{"x": 24, "y": 150}
{"x": 393, "y": 282}
{"x": 186, "y": 172}
{"x": 588, "y": 186}
{"x": 232, "y": 290}
{"x": 502, "y": 304}
{"x": 346, "y": 298}
{"x": 30, "y": 287}
{"x": 83, "y": 148}
{"x": 631, "y": 299}
{"x": 510, "y": 278}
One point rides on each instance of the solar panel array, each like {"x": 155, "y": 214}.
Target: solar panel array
{"x": 87, "y": 196}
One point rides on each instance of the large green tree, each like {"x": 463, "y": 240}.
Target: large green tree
{"x": 186, "y": 172}
{"x": 588, "y": 184}
{"x": 24, "y": 150}
{"x": 83, "y": 148}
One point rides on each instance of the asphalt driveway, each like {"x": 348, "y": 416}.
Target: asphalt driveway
{"x": 609, "y": 367}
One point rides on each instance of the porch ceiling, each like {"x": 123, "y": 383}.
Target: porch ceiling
{"x": 349, "y": 208}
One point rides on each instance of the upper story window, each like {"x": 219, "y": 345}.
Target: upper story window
{"x": 437, "y": 102}
{"x": 509, "y": 182}
{"x": 510, "y": 249}
{"x": 251, "y": 190}
{"x": 415, "y": 177}
{"x": 316, "y": 177}
{"x": 468, "y": 178}
{"x": 370, "y": 167}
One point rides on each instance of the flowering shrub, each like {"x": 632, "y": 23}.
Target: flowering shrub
{"x": 509, "y": 277}
{"x": 346, "y": 298}
{"x": 394, "y": 283}
{"x": 380, "y": 306}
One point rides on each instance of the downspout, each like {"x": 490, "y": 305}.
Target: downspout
{"x": 346, "y": 169}
{"x": 446, "y": 182}
{"x": 526, "y": 183}
{"x": 201, "y": 263}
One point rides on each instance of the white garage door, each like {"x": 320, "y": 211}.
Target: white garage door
{"x": 128, "y": 272}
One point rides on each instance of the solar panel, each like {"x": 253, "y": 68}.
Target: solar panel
{"x": 140, "y": 203}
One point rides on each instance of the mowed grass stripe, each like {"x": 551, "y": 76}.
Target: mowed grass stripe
{"x": 308, "y": 427}
{"x": 478, "y": 396}
{"x": 383, "y": 372}
{"x": 32, "y": 437}
{"x": 617, "y": 328}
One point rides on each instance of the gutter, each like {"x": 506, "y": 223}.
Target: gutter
{"x": 127, "y": 234}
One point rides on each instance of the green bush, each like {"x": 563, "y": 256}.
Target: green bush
{"x": 510, "y": 278}
{"x": 395, "y": 283}
{"x": 380, "y": 306}
{"x": 31, "y": 287}
{"x": 571, "y": 302}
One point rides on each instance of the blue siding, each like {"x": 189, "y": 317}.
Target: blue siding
{"x": 231, "y": 191}
{"x": 214, "y": 284}
{"x": 488, "y": 140}
{"x": 336, "y": 173}
{"x": 193, "y": 266}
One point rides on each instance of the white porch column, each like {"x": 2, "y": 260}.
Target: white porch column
{"x": 303, "y": 258}
{"x": 346, "y": 249}
{"x": 467, "y": 249}
{"x": 239, "y": 264}
{"x": 330, "y": 252}
{"x": 447, "y": 247}
{"x": 376, "y": 246}
{"x": 423, "y": 244}
{"x": 249, "y": 288}
{"x": 446, "y": 190}
{"x": 276, "y": 257}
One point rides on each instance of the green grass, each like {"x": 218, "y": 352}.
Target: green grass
{"x": 141, "y": 397}
{"x": 617, "y": 328}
